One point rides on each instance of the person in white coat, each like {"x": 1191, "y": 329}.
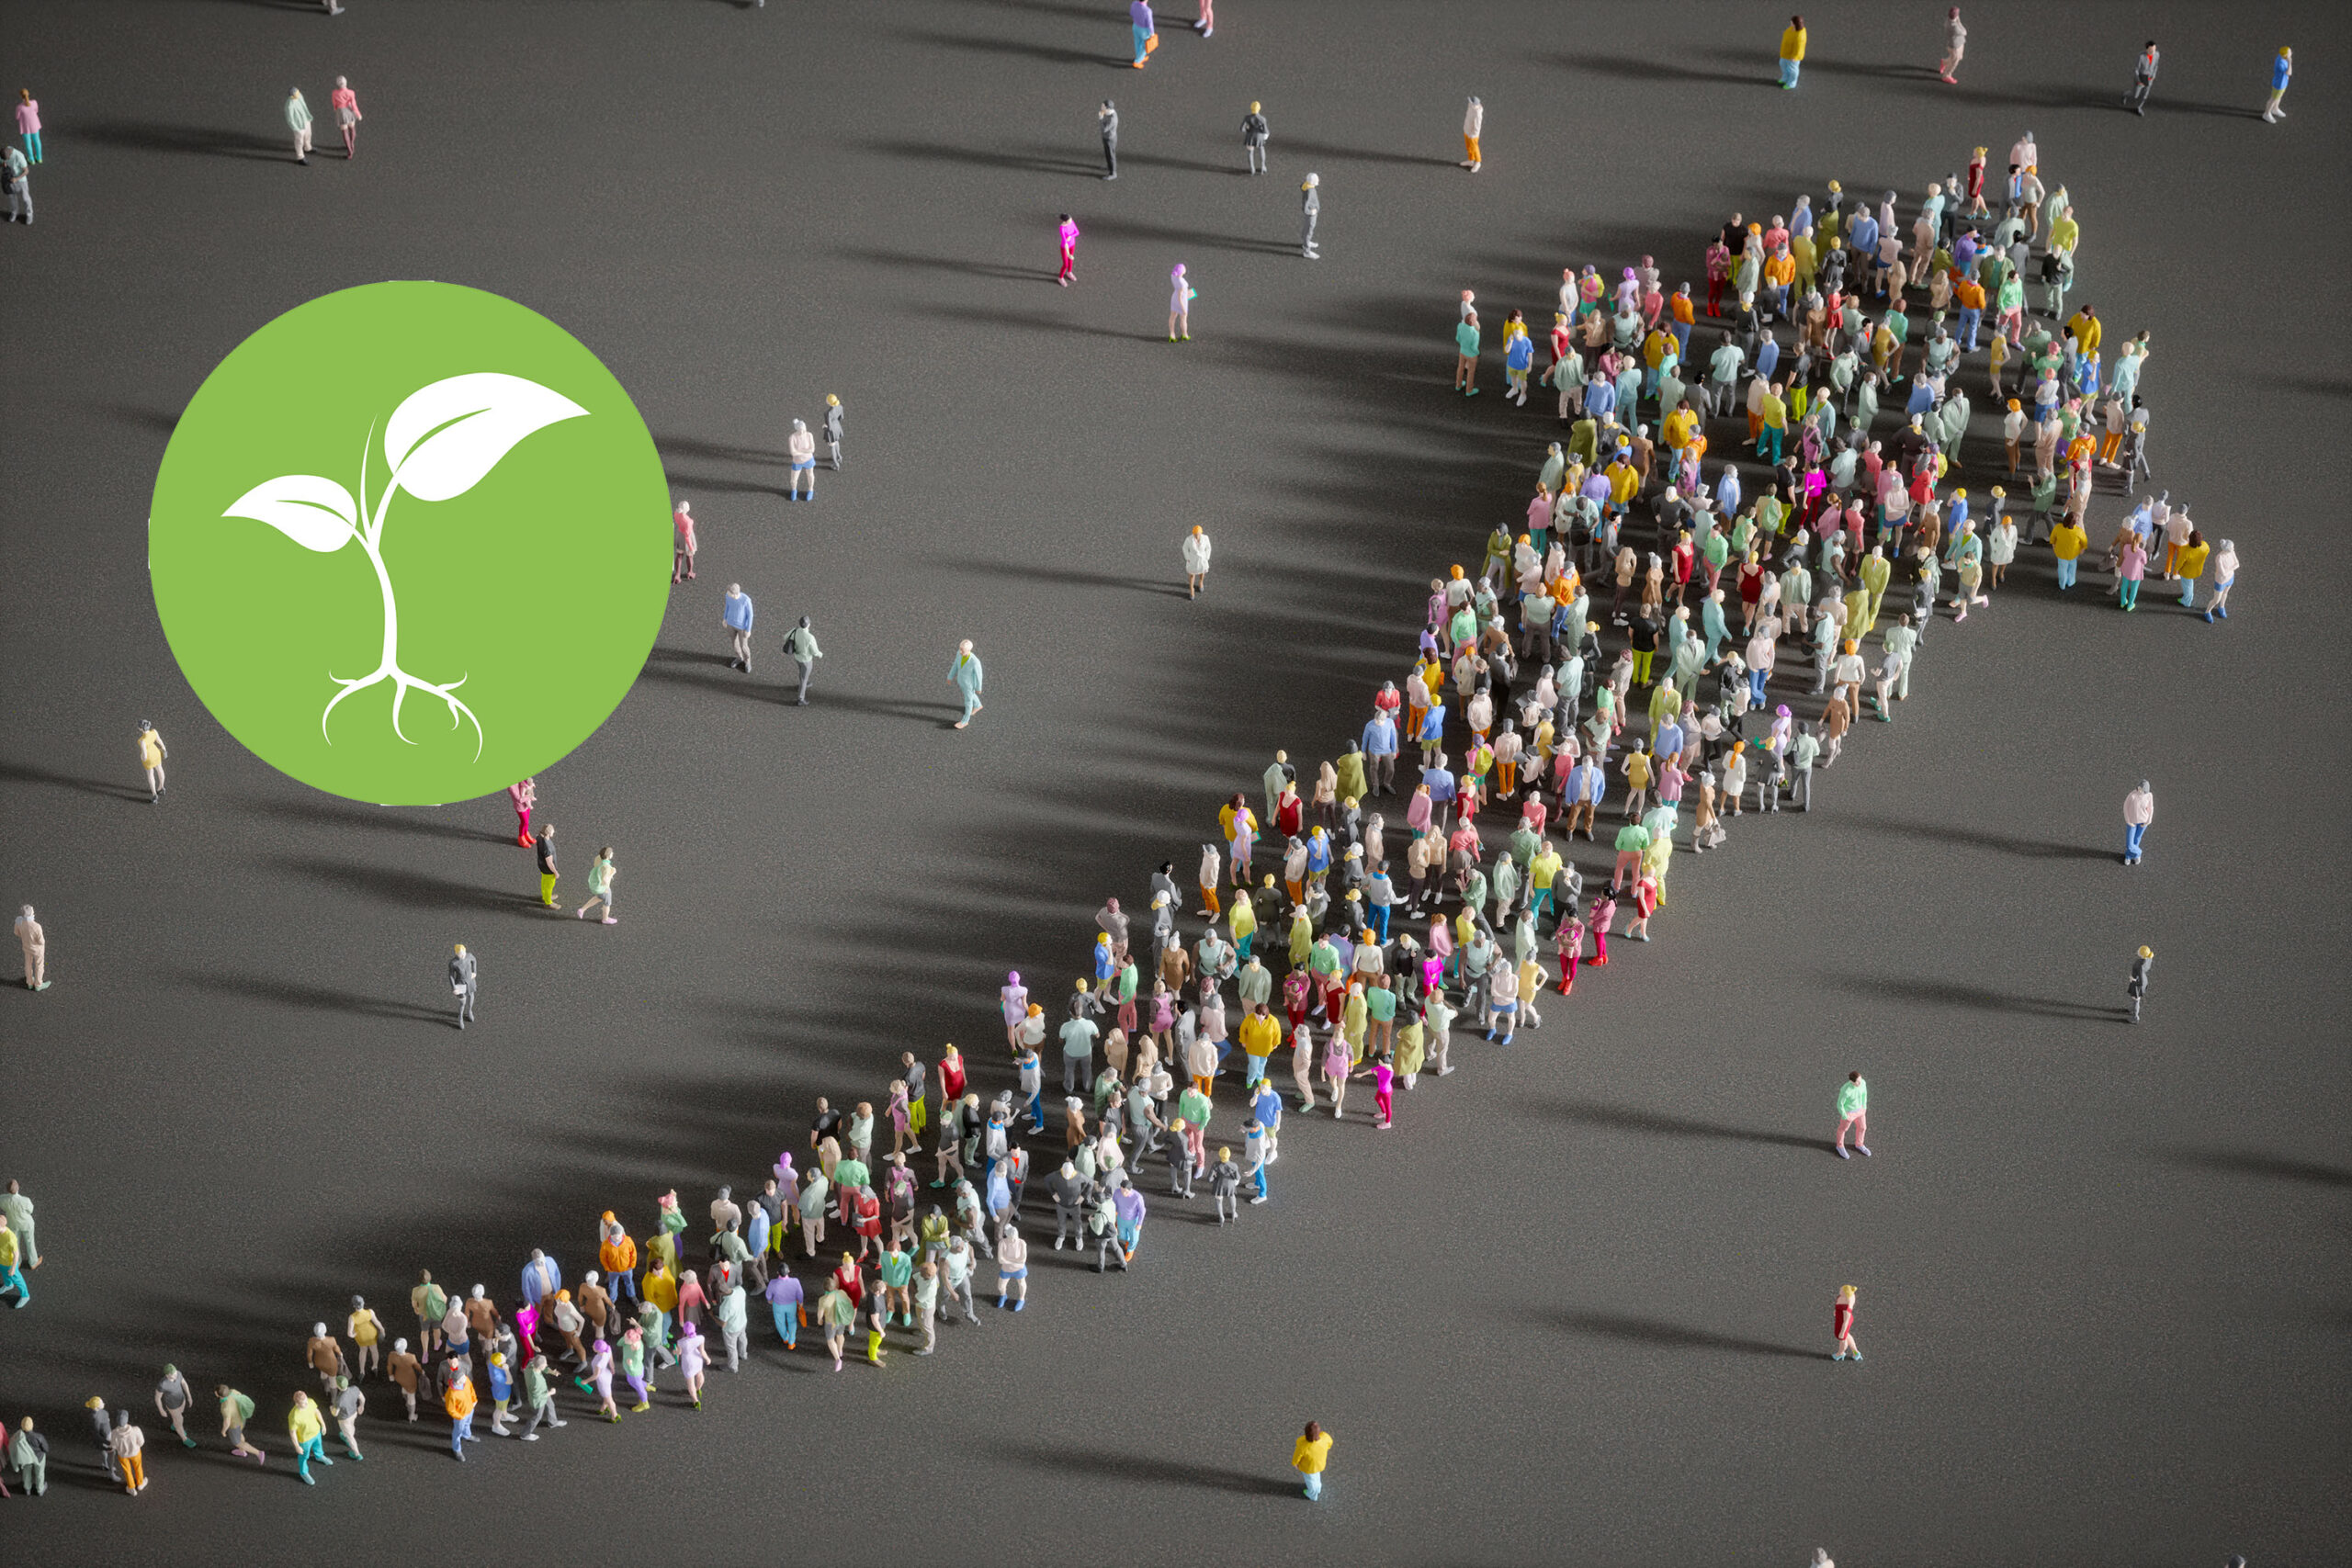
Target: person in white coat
{"x": 1473, "y": 122}
{"x": 1196, "y": 562}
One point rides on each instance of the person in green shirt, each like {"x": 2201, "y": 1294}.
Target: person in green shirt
{"x": 601, "y": 872}
{"x": 1465, "y": 355}
{"x": 1632, "y": 839}
{"x": 1853, "y": 1111}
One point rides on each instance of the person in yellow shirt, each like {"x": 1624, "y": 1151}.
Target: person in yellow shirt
{"x": 2083, "y": 328}
{"x": 307, "y": 1429}
{"x": 366, "y": 1332}
{"x": 1261, "y": 1033}
{"x": 2187, "y": 563}
{"x": 1309, "y": 1457}
{"x": 152, "y": 752}
{"x": 2067, "y": 542}
{"x": 1792, "y": 52}
{"x": 1773, "y": 413}
{"x": 1244, "y": 925}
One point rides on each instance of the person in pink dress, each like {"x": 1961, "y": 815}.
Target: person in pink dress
{"x": 345, "y": 104}
{"x": 1069, "y": 235}
{"x": 682, "y": 557}
{"x": 525, "y": 794}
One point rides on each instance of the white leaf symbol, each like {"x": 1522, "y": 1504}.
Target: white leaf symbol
{"x": 316, "y": 514}
{"x": 444, "y": 437}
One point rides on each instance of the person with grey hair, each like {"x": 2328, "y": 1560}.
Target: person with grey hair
{"x": 1310, "y": 206}
{"x": 34, "y": 940}
{"x": 801, "y": 643}
{"x": 1106, "y": 120}
{"x": 801, "y": 448}
{"x": 345, "y": 104}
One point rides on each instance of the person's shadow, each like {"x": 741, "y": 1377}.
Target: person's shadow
{"x": 1097, "y": 1465}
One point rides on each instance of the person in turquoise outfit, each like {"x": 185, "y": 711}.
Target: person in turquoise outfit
{"x": 965, "y": 673}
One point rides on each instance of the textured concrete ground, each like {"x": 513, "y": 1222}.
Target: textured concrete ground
{"x": 1577, "y": 1309}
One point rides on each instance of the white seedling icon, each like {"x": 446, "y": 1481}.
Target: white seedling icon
{"x": 439, "y": 444}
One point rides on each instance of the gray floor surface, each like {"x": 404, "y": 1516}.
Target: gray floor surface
{"x": 1577, "y": 1309}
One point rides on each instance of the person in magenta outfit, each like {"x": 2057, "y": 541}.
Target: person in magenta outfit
{"x": 1068, "y": 273}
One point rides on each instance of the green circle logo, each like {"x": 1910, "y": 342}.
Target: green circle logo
{"x": 410, "y": 542}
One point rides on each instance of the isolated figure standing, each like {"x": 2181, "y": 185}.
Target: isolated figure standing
{"x": 1196, "y": 562}
{"x": 2144, "y": 80}
{"x": 2137, "y": 987}
{"x": 1310, "y": 206}
{"x": 1145, "y": 29}
{"x": 1473, "y": 122}
{"x": 833, "y": 430}
{"x": 1854, "y": 1114}
{"x": 682, "y": 548}
{"x": 1253, "y": 138}
{"x": 1792, "y": 52}
{"x": 2282, "y": 71}
{"x": 34, "y": 940}
{"x": 966, "y": 673}
{"x": 152, "y": 752}
{"x": 1955, "y": 45}
{"x": 1181, "y": 294}
{"x": 802, "y": 645}
{"x": 297, "y": 120}
{"x": 1310, "y": 1456}
{"x": 1106, "y": 120}
{"x": 1068, "y": 236}
{"x": 2139, "y": 810}
{"x": 29, "y": 121}
{"x": 735, "y": 611}
{"x": 801, "y": 448}
{"x": 345, "y": 104}
{"x": 1841, "y": 1324}
{"x": 465, "y": 981}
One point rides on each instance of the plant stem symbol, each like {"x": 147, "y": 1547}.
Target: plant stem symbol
{"x": 440, "y": 442}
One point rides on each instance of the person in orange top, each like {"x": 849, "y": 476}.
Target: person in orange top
{"x": 618, "y": 1253}
{"x": 457, "y": 1399}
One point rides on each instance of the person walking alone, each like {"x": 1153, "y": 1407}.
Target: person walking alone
{"x": 1196, "y": 562}
{"x": 1068, "y": 236}
{"x": 1310, "y": 206}
{"x": 682, "y": 550}
{"x": 601, "y": 872}
{"x": 736, "y": 613}
{"x": 297, "y": 120}
{"x": 801, "y": 450}
{"x": 966, "y": 675}
{"x": 1106, "y": 120}
{"x": 1253, "y": 138}
{"x": 2282, "y": 71}
{"x": 802, "y": 645}
{"x": 2144, "y": 80}
{"x": 465, "y": 983}
{"x": 1792, "y": 52}
{"x": 1841, "y": 1324}
{"x": 28, "y": 121}
{"x": 1955, "y": 45}
{"x": 1473, "y": 122}
{"x": 345, "y": 104}
{"x": 34, "y": 941}
{"x": 152, "y": 752}
{"x": 1181, "y": 294}
{"x": 2139, "y": 810}
{"x": 1853, "y": 1112}
{"x": 1310, "y": 1456}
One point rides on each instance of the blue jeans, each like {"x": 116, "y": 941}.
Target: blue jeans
{"x": 1789, "y": 68}
{"x": 2066, "y": 570}
{"x": 2133, "y": 833}
{"x": 1315, "y": 1486}
{"x": 1967, "y": 323}
{"x": 1142, "y": 47}
{"x": 787, "y": 1323}
{"x": 1755, "y": 679}
{"x": 460, "y": 1429}
{"x": 1380, "y": 919}
{"x": 1037, "y": 1111}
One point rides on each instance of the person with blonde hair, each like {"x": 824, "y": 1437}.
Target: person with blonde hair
{"x": 1841, "y": 1324}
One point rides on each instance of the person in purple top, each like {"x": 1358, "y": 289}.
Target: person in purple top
{"x": 1147, "y": 31}
{"x": 787, "y": 1305}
